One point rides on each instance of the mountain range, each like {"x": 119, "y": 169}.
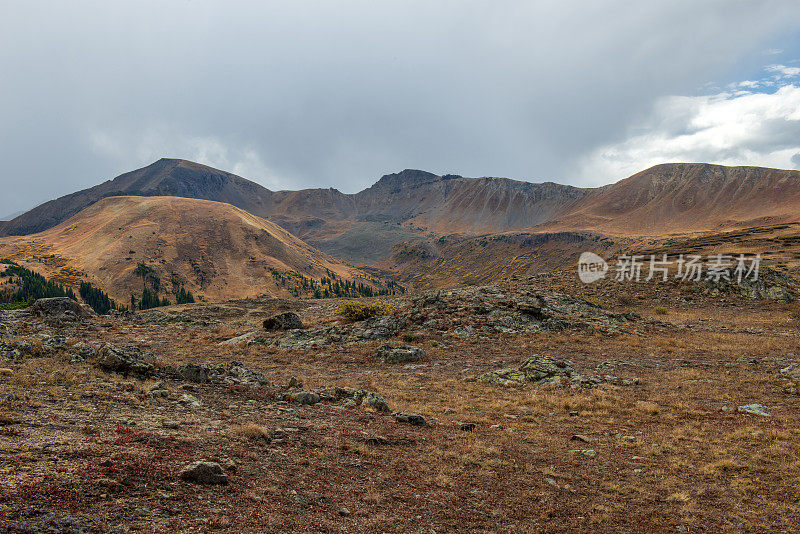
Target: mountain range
{"x": 398, "y": 226}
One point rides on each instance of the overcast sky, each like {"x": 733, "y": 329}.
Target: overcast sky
{"x": 297, "y": 94}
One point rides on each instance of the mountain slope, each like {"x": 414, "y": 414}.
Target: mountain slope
{"x": 688, "y": 197}
{"x": 166, "y": 177}
{"x": 214, "y": 249}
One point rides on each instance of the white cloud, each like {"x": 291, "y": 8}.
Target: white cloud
{"x": 728, "y": 128}
{"x": 782, "y": 71}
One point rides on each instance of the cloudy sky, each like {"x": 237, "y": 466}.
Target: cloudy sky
{"x": 335, "y": 94}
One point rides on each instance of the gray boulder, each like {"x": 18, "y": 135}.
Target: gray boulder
{"x": 406, "y": 353}
{"x": 410, "y": 418}
{"x": 60, "y": 308}
{"x": 306, "y": 397}
{"x": 538, "y": 369}
{"x": 283, "y": 321}
{"x": 125, "y": 362}
{"x": 204, "y": 473}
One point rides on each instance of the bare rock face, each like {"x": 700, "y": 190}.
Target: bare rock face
{"x": 60, "y": 308}
{"x": 204, "y": 473}
{"x": 283, "y": 321}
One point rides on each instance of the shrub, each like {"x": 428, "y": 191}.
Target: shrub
{"x": 660, "y": 310}
{"x": 353, "y": 310}
{"x": 408, "y": 338}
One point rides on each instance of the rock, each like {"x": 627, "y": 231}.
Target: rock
{"x": 54, "y": 343}
{"x": 4, "y": 371}
{"x": 753, "y": 409}
{"x": 172, "y": 425}
{"x": 538, "y": 369}
{"x": 190, "y": 400}
{"x": 410, "y": 418}
{"x": 125, "y": 362}
{"x": 283, "y": 321}
{"x": 466, "y": 427}
{"x": 294, "y": 383}
{"x": 231, "y": 373}
{"x": 405, "y": 353}
{"x": 306, "y": 397}
{"x": 591, "y": 453}
{"x": 60, "y": 308}
{"x": 356, "y": 397}
{"x": 194, "y": 373}
{"x": 344, "y": 512}
{"x": 238, "y": 339}
{"x": 581, "y": 437}
{"x": 792, "y": 371}
{"x": 204, "y": 473}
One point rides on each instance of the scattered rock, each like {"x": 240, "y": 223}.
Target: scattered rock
{"x": 753, "y": 409}
{"x": 466, "y": 427}
{"x": 230, "y": 373}
{"x": 204, "y": 473}
{"x": 410, "y": 418}
{"x": 581, "y": 437}
{"x": 283, "y": 321}
{"x": 541, "y": 369}
{"x": 190, "y": 400}
{"x": 405, "y": 353}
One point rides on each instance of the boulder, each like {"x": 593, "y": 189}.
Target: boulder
{"x": 60, "y": 308}
{"x": 406, "y": 353}
{"x": 753, "y": 409}
{"x": 204, "y": 473}
{"x": 125, "y": 362}
{"x": 410, "y": 418}
{"x": 306, "y": 397}
{"x": 538, "y": 369}
{"x": 371, "y": 399}
{"x": 283, "y": 321}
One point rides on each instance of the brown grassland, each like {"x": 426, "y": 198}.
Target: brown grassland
{"x": 668, "y": 454}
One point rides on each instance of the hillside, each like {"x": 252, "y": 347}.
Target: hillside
{"x": 213, "y": 249}
{"x": 688, "y": 198}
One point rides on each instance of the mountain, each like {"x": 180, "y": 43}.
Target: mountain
{"x": 213, "y": 249}
{"x": 415, "y": 206}
{"x": 361, "y": 227}
{"x": 165, "y": 177}
{"x": 686, "y": 198}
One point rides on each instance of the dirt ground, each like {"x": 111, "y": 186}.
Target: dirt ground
{"x": 85, "y": 450}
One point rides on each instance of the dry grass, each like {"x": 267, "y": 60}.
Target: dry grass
{"x": 251, "y": 431}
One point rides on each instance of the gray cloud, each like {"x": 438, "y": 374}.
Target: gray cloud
{"x": 303, "y": 94}
{"x": 796, "y": 160}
